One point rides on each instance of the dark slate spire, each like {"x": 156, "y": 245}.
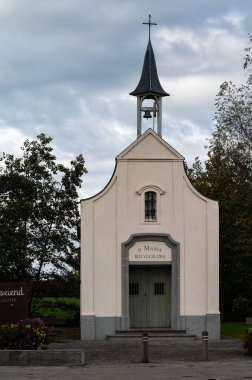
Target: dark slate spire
{"x": 149, "y": 82}
{"x": 149, "y": 88}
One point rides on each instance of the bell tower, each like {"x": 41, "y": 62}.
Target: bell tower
{"x": 149, "y": 88}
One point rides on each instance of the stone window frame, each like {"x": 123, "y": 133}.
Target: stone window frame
{"x": 141, "y": 192}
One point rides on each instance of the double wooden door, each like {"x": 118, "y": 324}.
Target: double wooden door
{"x": 150, "y": 296}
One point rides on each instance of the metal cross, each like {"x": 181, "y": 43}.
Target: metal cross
{"x": 149, "y": 23}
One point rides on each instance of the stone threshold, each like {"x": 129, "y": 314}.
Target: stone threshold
{"x": 33, "y": 358}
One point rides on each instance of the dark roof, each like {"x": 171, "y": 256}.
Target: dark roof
{"x": 149, "y": 82}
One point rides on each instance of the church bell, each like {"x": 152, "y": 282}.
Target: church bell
{"x": 147, "y": 114}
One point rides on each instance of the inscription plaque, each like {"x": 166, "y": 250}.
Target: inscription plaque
{"x": 150, "y": 251}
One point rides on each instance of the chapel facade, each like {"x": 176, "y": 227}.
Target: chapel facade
{"x": 149, "y": 240}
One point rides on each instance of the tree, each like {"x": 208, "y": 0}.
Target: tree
{"x": 227, "y": 177}
{"x": 38, "y": 213}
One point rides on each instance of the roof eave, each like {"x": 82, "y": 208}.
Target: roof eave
{"x": 148, "y": 93}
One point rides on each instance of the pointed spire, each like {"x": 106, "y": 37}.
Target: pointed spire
{"x": 149, "y": 88}
{"x": 149, "y": 81}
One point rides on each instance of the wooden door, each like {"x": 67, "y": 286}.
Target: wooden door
{"x": 150, "y": 296}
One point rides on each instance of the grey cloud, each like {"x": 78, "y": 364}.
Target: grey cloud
{"x": 67, "y": 67}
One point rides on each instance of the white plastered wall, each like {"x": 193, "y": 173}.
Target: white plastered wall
{"x": 111, "y": 217}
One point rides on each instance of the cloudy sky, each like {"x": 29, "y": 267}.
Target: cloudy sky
{"x": 67, "y": 67}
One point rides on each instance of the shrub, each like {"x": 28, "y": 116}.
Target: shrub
{"x": 67, "y": 308}
{"x": 241, "y": 308}
{"x": 28, "y": 334}
{"x": 8, "y": 335}
{"x": 248, "y": 341}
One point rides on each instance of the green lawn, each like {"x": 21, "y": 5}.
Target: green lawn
{"x": 234, "y": 329}
{"x": 62, "y": 307}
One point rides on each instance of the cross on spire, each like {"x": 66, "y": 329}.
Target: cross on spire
{"x": 149, "y": 23}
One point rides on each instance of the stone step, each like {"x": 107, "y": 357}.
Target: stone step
{"x": 164, "y": 334}
{"x": 151, "y": 330}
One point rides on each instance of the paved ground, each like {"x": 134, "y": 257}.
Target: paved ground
{"x": 123, "y": 360}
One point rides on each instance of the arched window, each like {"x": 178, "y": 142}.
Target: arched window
{"x": 150, "y": 206}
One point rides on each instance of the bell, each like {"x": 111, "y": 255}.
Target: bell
{"x": 147, "y": 115}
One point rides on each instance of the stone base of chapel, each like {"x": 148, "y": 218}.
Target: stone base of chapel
{"x": 98, "y": 328}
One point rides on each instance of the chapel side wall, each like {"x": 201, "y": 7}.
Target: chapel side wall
{"x": 195, "y": 254}
{"x": 213, "y": 257}
{"x": 87, "y": 262}
{"x": 202, "y": 239}
{"x": 98, "y": 255}
{"x": 202, "y": 266}
{"x": 104, "y": 251}
{"x": 213, "y": 313}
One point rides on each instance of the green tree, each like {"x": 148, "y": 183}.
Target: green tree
{"x": 38, "y": 213}
{"x": 227, "y": 177}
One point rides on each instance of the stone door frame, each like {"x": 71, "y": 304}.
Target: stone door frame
{"x": 175, "y": 275}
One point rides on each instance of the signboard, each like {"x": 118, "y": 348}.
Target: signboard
{"x": 150, "y": 251}
{"x": 13, "y": 302}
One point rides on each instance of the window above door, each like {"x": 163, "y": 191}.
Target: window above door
{"x": 150, "y": 204}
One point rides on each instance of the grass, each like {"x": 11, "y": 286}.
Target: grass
{"x": 234, "y": 329}
{"x": 58, "y": 307}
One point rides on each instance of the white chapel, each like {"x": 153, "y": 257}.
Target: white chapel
{"x": 149, "y": 240}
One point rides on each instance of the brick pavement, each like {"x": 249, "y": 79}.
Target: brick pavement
{"x": 168, "y": 360}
